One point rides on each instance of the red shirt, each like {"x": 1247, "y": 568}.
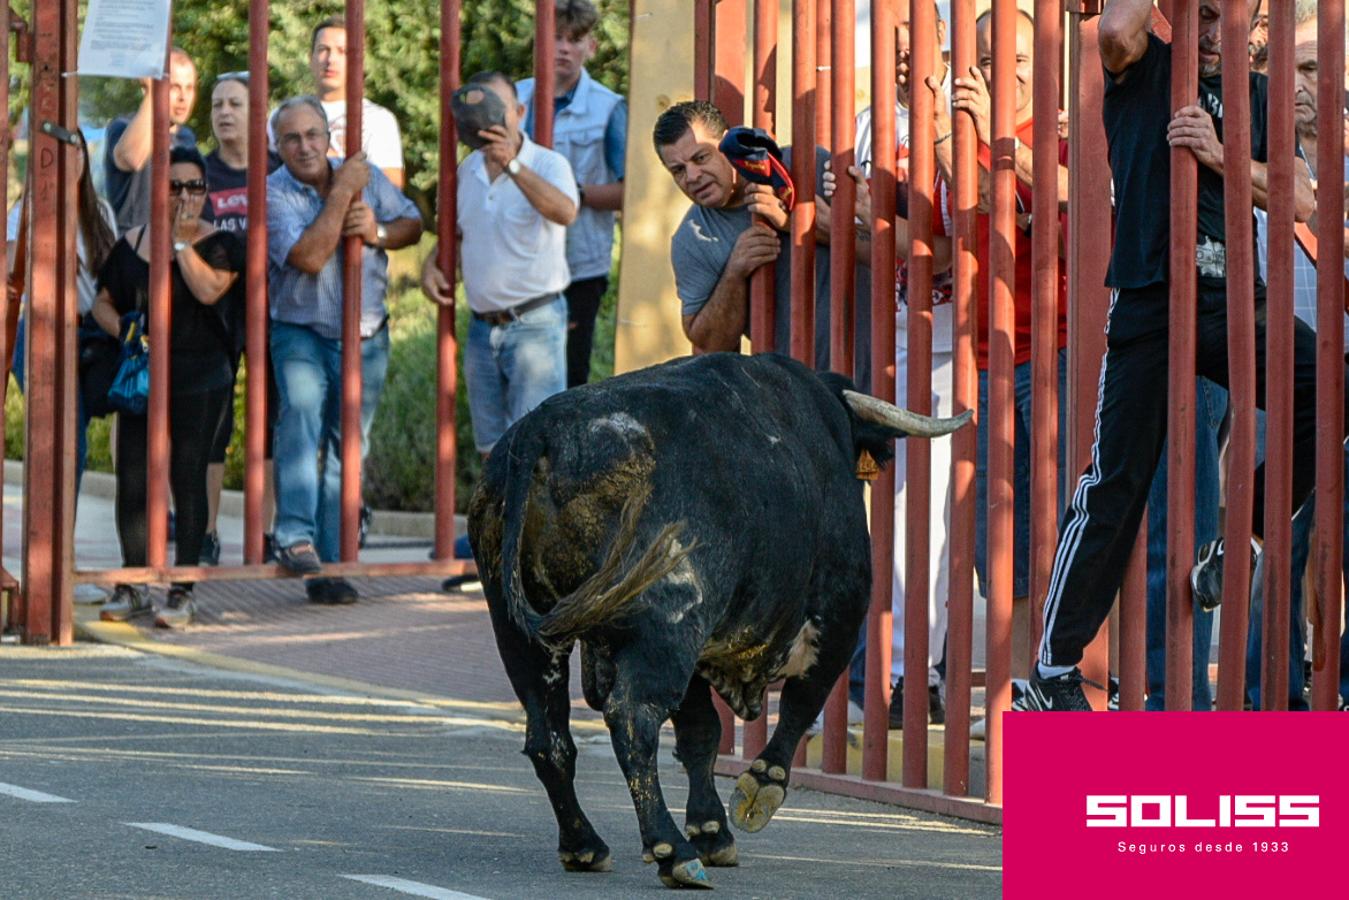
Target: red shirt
{"x": 1023, "y": 287}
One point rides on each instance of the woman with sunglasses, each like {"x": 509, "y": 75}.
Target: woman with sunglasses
{"x": 205, "y": 271}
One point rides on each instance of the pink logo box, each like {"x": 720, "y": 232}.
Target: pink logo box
{"x": 1155, "y": 805}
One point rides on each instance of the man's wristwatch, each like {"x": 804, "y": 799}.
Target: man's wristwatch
{"x": 180, "y": 246}
{"x": 381, "y": 235}
{"x": 513, "y": 167}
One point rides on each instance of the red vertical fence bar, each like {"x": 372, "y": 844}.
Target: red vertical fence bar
{"x": 762, "y": 282}
{"x": 447, "y": 215}
{"x": 10, "y": 603}
{"x": 160, "y": 326}
{"x": 703, "y": 24}
{"x": 255, "y": 432}
{"x": 1240, "y": 327}
{"x": 34, "y": 617}
{"x": 545, "y": 28}
{"x": 1044, "y": 446}
{"x": 842, "y": 257}
{"x": 824, "y": 71}
{"x": 1001, "y": 398}
{"x": 63, "y": 486}
{"x": 729, "y": 23}
{"x": 918, "y": 454}
{"x": 875, "y": 734}
{"x": 1330, "y": 351}
{"x": 763, "y": 105}
{"x": 1088, "y": 298}
{"x": 802, "y": 223}
{"x": 1277, "y": 525}
{"x": 960, "y": 607}
{"x": 352, "y": 257}
{"x": 727, "y": 90}
{"x": 803, "y": 174}
{"x": 1180, "y": 419}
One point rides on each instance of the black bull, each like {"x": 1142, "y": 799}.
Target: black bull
{"x": 692, "y": 524}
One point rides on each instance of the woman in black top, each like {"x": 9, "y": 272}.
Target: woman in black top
{"x": 205, "y": 273}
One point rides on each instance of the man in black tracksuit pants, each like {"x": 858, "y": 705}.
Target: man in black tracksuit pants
{"x": 1101, "y": 523}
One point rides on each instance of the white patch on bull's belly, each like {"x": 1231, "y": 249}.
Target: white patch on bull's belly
{"x": 619, "y": 422}
{"x": 802, "y": 654}
{"x": 686, "y": 577}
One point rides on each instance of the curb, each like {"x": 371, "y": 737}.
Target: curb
{"x": 386, "y": 522}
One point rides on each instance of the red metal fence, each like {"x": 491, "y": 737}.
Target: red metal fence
{"x": 822, "y": 104}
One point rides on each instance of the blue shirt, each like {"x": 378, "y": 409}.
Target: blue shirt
{"x": 315, "y": 301}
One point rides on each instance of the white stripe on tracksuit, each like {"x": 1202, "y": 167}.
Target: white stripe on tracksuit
{"x": 1071, "y": 537}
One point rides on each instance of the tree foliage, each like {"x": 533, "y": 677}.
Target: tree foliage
{"x": 402, "y": 58}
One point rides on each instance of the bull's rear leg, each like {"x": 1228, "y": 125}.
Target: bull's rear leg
{"x": 761, "y": 789}
{"x": 697, "y": 735}
{"x": 540, "y": 680}
{"x": 647, "y": 689}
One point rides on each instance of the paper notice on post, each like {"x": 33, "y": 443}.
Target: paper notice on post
{"x": 125, "y": 38}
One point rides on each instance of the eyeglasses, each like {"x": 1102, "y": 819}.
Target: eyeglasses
{"x": 196, "y": 187}
{"x": 292, "y": 139}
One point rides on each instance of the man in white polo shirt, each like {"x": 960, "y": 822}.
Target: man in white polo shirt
{"x": 515, "y": 202}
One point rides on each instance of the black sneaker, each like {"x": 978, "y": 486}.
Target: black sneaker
{"x": 1206, "y": 578}
{"x": 299, "y": 558}
{"x": 210, "y": 549}
{"x": 127, "y": 602}
{"x": 1062, "y": 693}
{"x": 936, "y": 709}
{"x": 330, "y": 591}
{"x": 269, "y": 548}
{"x": 178, "y": 610}
{"x": 1112, "y": 694}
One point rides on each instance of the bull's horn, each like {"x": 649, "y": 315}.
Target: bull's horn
{"x": 869, "y": 409}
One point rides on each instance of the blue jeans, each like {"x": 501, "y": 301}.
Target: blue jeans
{"x": 1021, "y": 475}
{"x": 1210, "y": 407}
{"x": 512, "y": 368}
{"x": 1301, "y": 552}
{"x": 81, "y": 420}
{"x": 309, "y": 380}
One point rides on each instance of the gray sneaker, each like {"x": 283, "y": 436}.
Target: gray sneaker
{"x": 127, "y": 602}
{"x": 178, "y": 611}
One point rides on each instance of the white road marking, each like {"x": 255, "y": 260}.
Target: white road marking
{"x": 414, "y": 888}
{"x": 13, "y": 790}
{"x": 201, "y": 837}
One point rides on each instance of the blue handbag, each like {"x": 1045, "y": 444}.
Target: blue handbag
{"x": 130, "y": 391}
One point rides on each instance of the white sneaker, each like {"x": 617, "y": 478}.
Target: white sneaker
{"x": 855, "y": 717}
{"x": 89, "y": 594}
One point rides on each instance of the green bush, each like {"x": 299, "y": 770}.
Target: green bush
{"x": 399, "y": 472}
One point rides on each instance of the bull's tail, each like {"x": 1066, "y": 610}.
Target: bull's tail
{"x": 603, "y": 595}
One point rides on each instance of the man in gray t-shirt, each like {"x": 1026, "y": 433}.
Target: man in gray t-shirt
{"x": 715, "y": 248}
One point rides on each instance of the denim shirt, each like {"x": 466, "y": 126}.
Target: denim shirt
{"x": 315, "y": 301}
{"x": 590, "y": 130}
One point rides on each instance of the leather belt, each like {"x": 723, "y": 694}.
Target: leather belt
{"x": 507, "y": 316}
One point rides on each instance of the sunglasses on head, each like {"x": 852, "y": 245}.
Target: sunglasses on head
{"x": 233, "y": 76}
{"x": 195, "y": 186}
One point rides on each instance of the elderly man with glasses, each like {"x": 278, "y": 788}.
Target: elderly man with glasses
{"x": 313, "y": 203}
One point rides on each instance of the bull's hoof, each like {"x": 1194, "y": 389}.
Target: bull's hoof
{"x": 758, "y": 794}
{"x": 715, "y": 845}
{"x": 690, "y": 874}
{"x": 586, "y": 860}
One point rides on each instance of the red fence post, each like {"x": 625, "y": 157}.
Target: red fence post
{"x": 545, "y": 31}
{"x": 1181, "y": 331}
{"x": 875, "y": 734}
{"x": 447, "y": 247}
{"x": 803, "y": 174}
{"x": 763, "y": 115}
{"x": 353, "y": 255}
{"x": 728, "y": 60}
{"x": 160, "y": 328}
{"x": 255, "y": 432}
{"x": 964, "y": 443}
{"x": 704, "y": 24}
{"x": 842, "y": 258}
{"x": 918, "y": 454}
{"x": 1277, "y": 525}
{"x": 1330, "y": 351}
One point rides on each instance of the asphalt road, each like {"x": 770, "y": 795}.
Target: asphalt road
{"x": 126, "y": 775}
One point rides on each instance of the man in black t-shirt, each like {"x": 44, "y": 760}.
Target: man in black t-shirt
{"x": 1099, "y": 528}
